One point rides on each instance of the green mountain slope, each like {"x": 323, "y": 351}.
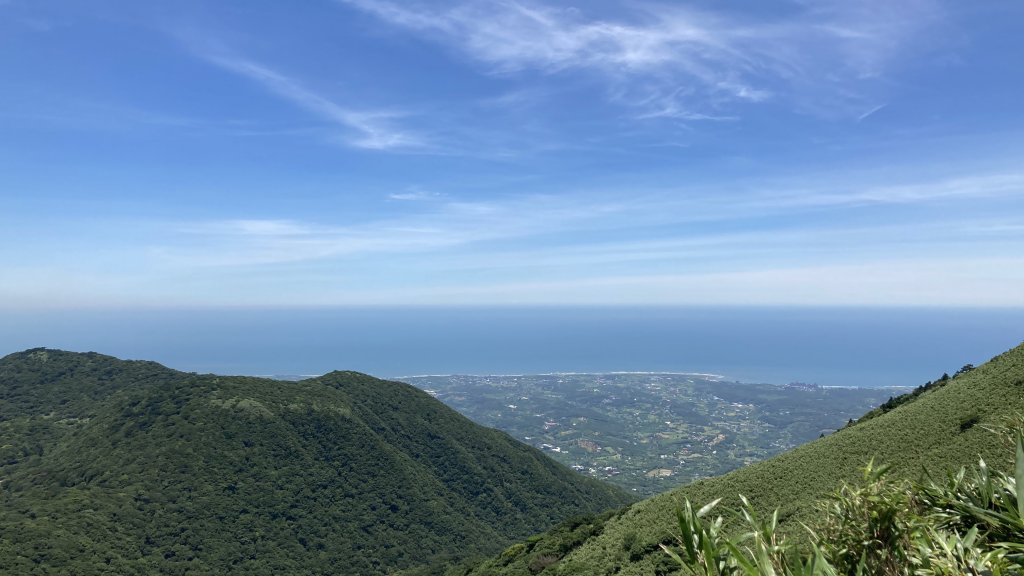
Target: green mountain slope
{"x": 942, "y": 429}
{"x": 114, "y": 467}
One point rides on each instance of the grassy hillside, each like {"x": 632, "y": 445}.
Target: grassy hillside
{"x": 943, "y": 429}
{"x": 114, "y": 467}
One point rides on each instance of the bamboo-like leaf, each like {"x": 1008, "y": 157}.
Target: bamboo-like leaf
{"x": 765, "y": 561}
{"x": 710, "y": 558}
{"x": 868, "y": 470}
{"x": 686, "y": 531}
{"x": 821, "y": 566}
{"x": 708, "y": 507}
{"x": 970, "y": 537}
{"x": 984, "y": 484}
{"x": 672, "y": 554}
{"x": 740, "y": 558}
{"x": 1019, "y": 475}
{"x": 986, "y": 515}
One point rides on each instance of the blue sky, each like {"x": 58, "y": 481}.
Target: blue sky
{"x": 349, "y": 152}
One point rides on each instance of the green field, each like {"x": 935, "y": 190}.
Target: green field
{"x": 650, "y": 432}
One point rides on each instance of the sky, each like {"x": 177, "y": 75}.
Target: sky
{"x": 491, "y": 152}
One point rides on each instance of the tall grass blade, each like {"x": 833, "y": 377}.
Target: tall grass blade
{"x": 686, "y": 530}
{"x": 1020, "y": 475}
{"x": 708, "y": 507}
{"x": 747, "y": 565}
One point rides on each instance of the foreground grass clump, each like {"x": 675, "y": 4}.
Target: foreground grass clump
{"x": 967, "y": 524}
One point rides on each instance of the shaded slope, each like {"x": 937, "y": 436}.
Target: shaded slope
{"x": 131, "y": 468}
{"x": 927, "y": 433}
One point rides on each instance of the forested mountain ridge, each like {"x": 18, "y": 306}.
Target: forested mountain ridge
{"x": 124, "y": 467}
{"x": 942, "y": 430}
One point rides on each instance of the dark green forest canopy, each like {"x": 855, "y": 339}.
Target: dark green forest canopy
{"x": 940, "y": 429}
{"x": 126, "y": 467}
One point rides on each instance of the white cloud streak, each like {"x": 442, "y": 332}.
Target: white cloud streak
{"x": 871, "y": 112}
{"x": 676, "y": 61}
{"x": 415, "y": 194}
{"x": 968, "y": 187}
{"x": 249, "y": 242}
{"x": 372, "y": 130}
{"x": 446, "y": 226}
{"x": 891, "y": 282}
{"x": 647, "y": 248}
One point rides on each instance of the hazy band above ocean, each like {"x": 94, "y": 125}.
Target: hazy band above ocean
{"x": 827, "y": 346}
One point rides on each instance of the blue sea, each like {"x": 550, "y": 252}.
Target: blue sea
{"x": 827, "y": 346}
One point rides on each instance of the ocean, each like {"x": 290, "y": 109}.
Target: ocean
{"x": 827, "y": 346}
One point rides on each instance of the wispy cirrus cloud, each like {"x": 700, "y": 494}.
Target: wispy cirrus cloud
{"x": 368, "y": 129}
{"x": 415, "y": 194}
{"x": 886, "y": 282}
{"x": 680, "y": 62}
{"x": 976, "y": 187}
{"x": 596, "y": 228}
{"x": 716, "y": 245}
{"x": 871, "y": 112}
{"x": 246, "y": 242}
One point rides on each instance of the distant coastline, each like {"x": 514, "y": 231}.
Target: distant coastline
{"x": 859, "y": 347}
{"x": 706, "y": 376}
{"x": 703, "y": 375}
{"x": 560, "y": 373}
